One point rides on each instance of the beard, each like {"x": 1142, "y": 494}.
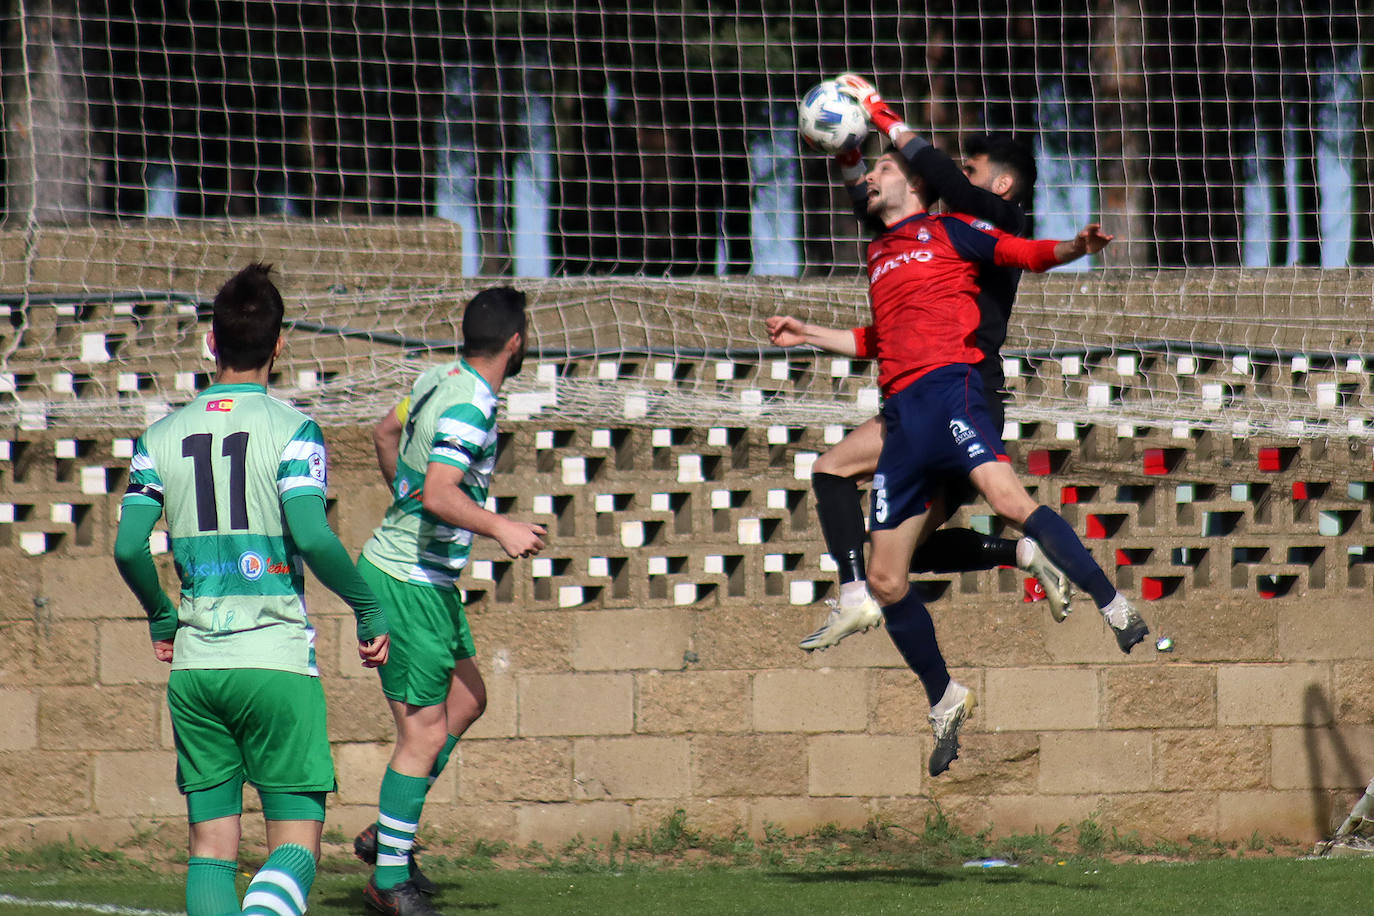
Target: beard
{"x": 516, "y": 363}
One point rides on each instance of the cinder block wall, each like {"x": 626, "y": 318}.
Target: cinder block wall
{"x": 649, "y": 662}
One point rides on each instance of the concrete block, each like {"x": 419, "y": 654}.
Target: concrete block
{"x": 126, "y": 654}
{"x": 1280, "y": 694}
{"x": 802, "y": 815}
{"x": 696, "y": 702}
{"x": 49, "y": 654}
{"x": 1077, "y": 763}
{"x": 98, "y": 718}
{"x": 519, "y": 770}
{"x": 357, "y": 711}
{"x": 1293, "y": 815}
{"x": 631, "y": 768}
{"x": 1021, "y": 814}
{"x": 755, "y": 636}
{"x": 622, "y": 640}
{"x": 1228, "y": 759}
{"x": 810, "y": 701}
{"x": 19, "y": 712}
{"x": 491, "y": 821}
{"x": 899, "y": 704}
{"x": 989, "y": 764}
{"x": 1337, "y": 757}
{"x": 557, "y": 825}
{"x": 501, "y": 719}
{"x": 1354, "y": 698}
{"x": 1000, "y": 634}
{"x": 45, "y": 783}
{"x": 1338, "y": 629}
{"x": 709, "y": 816}
{"x": 1181, "y": 696}
{"x": 359, "y": 767}
{"x": 138, "y": 784}
{"x": 862, "y": 765}
{"x": 1162, "y": 814}
{"x": 528, "y": 641}
{"x": 1039, "y": 699}
{"x": 748, "y": 765}
{"x": 576, "y": 704}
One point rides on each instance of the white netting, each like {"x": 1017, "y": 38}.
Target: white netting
{"x": 386, "y": 155}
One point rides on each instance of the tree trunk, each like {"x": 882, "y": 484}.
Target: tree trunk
{"x": 1118, "y": 73}
{"x": 51, "y": 175}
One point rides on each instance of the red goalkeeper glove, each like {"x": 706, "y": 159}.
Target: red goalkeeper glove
{"x": 851, "y": 163}
{"x": 880, "y": 114}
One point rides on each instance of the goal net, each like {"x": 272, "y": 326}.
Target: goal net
{"x": 638, "y": 171}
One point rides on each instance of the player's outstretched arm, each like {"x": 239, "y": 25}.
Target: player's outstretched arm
{"x": 787, "y": 331}
{"x": 332, "y": 565}
{"x": 443, "y": 497}
{"x": 1090, "y": 240}
{"x": 135, "y": 562}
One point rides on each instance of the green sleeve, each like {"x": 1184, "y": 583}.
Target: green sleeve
{"x": 135, "y": 562}
{"x": 330, "y": 562}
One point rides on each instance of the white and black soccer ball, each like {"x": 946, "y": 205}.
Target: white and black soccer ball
{"x": 830, "y": 120}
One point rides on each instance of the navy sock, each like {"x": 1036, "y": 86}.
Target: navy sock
{"x": 1066, "y": 551}
{"x": 913, "y": 633}
{"x": 962, "y": 550}
{"x": 841, "y": 515}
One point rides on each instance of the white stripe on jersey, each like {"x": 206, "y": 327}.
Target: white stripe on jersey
{"x": 439, "y": 578}
{"x": 141, "y": 462}
{"x": 291, "y": 483}
{"x": 302, "y": 450}
{"x": 450, "y": 428}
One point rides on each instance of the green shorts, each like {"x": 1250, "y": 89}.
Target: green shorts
{"x": 266, "y": 727}
{"x": 429, "y": 634}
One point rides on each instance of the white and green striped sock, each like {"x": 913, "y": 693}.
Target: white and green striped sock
{"x": 282, "y": 884}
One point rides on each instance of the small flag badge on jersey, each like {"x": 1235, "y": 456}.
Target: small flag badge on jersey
{"x": 223, "y": 405}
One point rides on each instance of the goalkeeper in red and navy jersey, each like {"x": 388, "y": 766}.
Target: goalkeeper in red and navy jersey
{"x": 922, "y": 272}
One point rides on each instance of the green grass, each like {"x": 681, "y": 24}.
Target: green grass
{"x": 674, "y": 869}
{"x": 1270, "y": 885}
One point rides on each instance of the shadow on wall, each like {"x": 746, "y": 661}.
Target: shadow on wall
{"x": 1317, "y": 709}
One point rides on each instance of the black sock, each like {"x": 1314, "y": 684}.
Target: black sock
{"x": 1057, "y": 538}
{"x": 962, "y": 550}
{"x": 842, "y": 523}
{"x": 913, "y": 633}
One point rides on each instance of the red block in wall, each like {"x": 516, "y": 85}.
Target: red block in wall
{"x": 1039, "y": 463}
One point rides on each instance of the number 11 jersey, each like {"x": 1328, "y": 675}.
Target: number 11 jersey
{"x": 221, "y": 468}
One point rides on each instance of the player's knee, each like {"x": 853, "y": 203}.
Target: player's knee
{"x": 887, "y": 587}
{"x": 468, "y": 711}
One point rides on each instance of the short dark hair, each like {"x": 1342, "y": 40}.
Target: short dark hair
{"x": 247, "y": 318}
{"x": 491, "y": 318}
{"x": 1009, "y": 154}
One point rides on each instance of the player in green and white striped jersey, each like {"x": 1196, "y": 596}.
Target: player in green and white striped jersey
{"x": 241, "y": 478}
{"x": 436, "y": 450}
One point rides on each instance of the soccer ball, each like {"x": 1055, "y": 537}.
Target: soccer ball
{"x": 830, "y": 120}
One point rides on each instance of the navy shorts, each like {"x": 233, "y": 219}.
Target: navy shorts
{"x": 939, "y": 428}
